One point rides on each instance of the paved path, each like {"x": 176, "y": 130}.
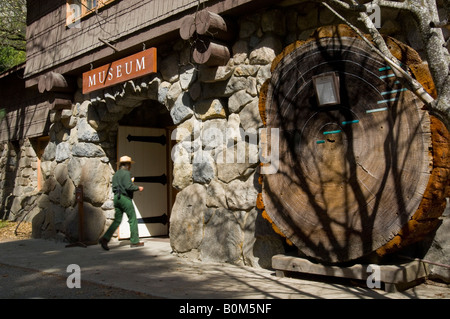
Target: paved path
{"x": 154, "y": 272}
{"x": 22, "y": 283}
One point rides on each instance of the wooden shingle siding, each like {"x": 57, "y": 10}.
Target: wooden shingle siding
{"x": 30, "y": 120}
{"x": 50, "y": 42}
{"x": 26, "y": 110}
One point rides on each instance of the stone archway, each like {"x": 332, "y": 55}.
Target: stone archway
{"x": 134, "y": 103}
{"x": 82, "y": 152}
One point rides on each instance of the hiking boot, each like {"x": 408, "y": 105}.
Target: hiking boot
{"x": 139, "y": 244}
{"x": 104, "y": 243}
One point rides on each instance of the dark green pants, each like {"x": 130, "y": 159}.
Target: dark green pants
{"x": 124, "y": 205}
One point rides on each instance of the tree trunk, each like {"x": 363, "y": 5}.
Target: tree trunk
{"x": 358, "y": 177}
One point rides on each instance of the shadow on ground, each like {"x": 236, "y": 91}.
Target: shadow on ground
{"x": 155, "y": 272}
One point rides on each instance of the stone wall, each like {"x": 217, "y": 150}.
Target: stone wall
{"x": 437, "y": 249}
{"x": 18, "y": 175}
{"x": 216, "y": 162}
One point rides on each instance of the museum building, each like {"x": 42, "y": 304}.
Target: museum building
{"x": 257, "y": 128}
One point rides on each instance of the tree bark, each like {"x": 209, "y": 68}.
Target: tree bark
{"x": 437, "y": 55}
{"x": 331, "y": 197}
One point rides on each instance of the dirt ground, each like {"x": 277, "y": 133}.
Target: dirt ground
{"x": 8, "y": 230}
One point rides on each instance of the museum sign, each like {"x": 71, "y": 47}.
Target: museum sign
{"x": 122, "y": 70}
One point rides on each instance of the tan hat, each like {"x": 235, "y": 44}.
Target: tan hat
{"x": 126, "y": 159}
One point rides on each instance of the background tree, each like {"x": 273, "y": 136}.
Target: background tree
{"x": 12, "y": 33}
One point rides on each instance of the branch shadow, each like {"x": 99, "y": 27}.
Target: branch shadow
{"x": 156, "y": 273}
{"x": 325, "y": 196}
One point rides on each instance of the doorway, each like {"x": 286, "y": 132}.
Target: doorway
{"x": 144, "y": 135}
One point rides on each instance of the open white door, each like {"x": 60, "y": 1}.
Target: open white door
{"x": 149, "y": 171}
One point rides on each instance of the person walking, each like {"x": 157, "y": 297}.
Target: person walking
{"x": 123, "y": 189}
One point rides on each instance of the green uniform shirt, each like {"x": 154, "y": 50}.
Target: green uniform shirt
{"x": 122, "y": 184}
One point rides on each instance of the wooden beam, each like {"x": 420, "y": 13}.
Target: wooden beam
{"x": 210, "y": 52}
{"x": 187, "y": 27}
{"x": 213, "y": 25}
{"x": 59, "y": 100}
{"x": 55, "y": 82}
{"x": 41, "y": 83}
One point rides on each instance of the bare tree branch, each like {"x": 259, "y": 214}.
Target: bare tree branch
{"x": 363, "y": 7}
{"x": 425, "y": 14}
{"x": 439, "y": 24}
{"x": 376, "y": 36}
{"x": 391, "y": 4}
{"x": 415, "y": 86}
{"x": 347, "y": 6}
